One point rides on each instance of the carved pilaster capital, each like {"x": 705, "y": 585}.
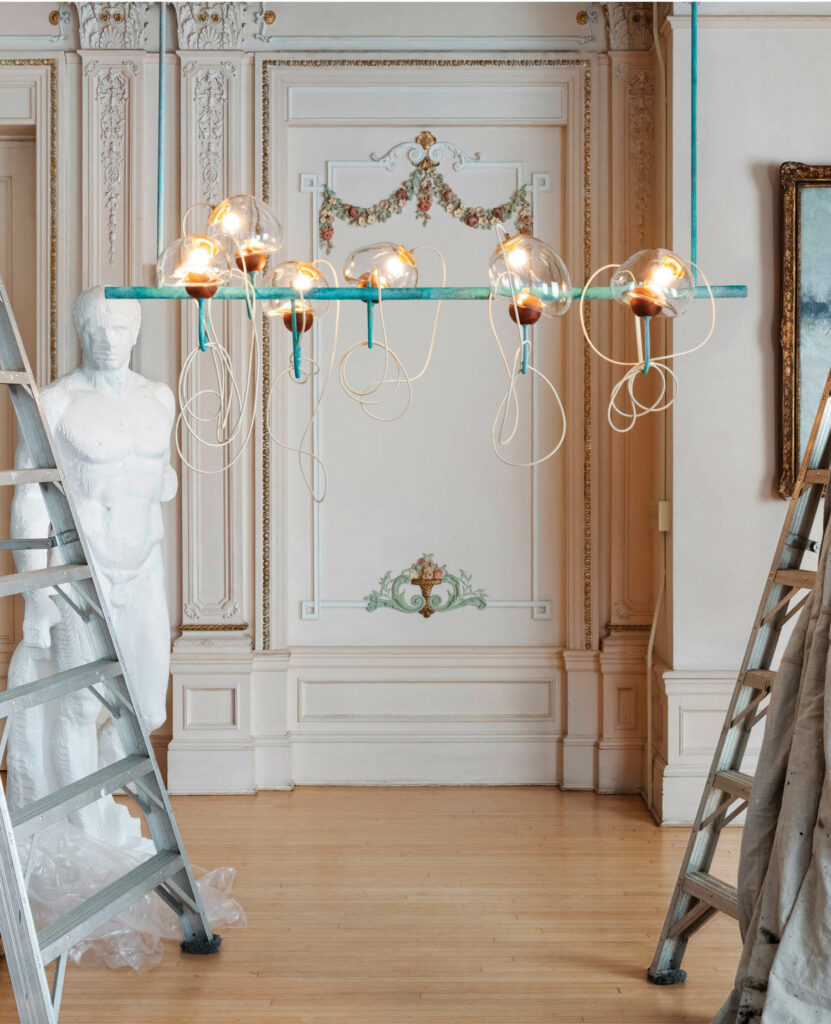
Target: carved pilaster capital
{"x": 112, "y": 26}
{"x": 629, "y": 25}
{"x": 210, "y": 26}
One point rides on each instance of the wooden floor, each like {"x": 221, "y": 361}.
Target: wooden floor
{"x": 426, "y": 906}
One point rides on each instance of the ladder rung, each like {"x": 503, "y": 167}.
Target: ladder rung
{"x": 39, "y": 543}
{"x": 804, "y": 578}
{"x": 759, "y": 678}
{"x": 41, "y": 813}
{"x": 41, "y": 691}
{"x": 104, "y": 905}
{"x": 37, "y": 579}
{"x": 13, "y": 477}
{"x": 713, "y": 892}
{"x": 816, "y": 476}
{"x": 14, "y": 377}
{"x": 735, "y": 783}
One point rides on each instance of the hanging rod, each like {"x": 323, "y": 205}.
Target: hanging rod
{"x": 720, "y": 291}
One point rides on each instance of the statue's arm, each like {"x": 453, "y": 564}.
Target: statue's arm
{"x": 29, "y": 518}
{"x": 170, "y": 482}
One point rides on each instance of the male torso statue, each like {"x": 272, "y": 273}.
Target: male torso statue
{"x": 112, "y": 431}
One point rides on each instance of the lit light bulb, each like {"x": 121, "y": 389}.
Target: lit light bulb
{"x": 195, "y": 262}
{"x": 248, "y": 229}
{"x": 301, "y": 277}
{"x": 381, "y": 265}
{"x": 654, "y": 282}
{"x": 531, "y": 277}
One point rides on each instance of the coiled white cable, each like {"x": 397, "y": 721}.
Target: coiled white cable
{"x": 635, "y": 370}
{"x": 312, "y": 369}
{"x": 232, "y": 417}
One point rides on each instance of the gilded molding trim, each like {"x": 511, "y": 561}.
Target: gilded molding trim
{"x": 583, "y": 64}
{"x": 791, "y": 176}
{"x": 52, "y": 64}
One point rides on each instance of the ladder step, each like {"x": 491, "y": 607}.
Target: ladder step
{"x": 39, "y": 543}
{"x": 57, "y": 938}
{"x": 759, "y": 678}
{"x": 713, "y": 892}
{"x": 37, "y": 579}
{"x": 56, "y": 806}
{"x": 14, "y": 377}
{"x": 41, "y": 691}
{"x": 804, "y": 578}
{"x": 816, "y": 476}
{"x": 13, "y": 477}
{"x": 735, "y": 783}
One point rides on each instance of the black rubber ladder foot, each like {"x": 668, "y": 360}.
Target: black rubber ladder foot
{"x": 202, "y": 947}
{"x": 674, "y": 976}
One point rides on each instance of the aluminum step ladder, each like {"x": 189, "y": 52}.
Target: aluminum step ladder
{"x": 698, "y": 895}
{"x": 167, "y": 872}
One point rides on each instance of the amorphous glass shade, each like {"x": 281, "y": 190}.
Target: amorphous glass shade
{"x": 301, "y": 277}
{"x": 249, "y": 230}
{"x": 382, "y": 265}
{"x": 528, "y": 269}
{"x": 654, "y": 282}
{"x": 196, "y": 263}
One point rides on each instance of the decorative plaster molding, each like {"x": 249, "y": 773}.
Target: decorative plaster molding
{"x": 210, "y": 26}
{"x": 113, "y": 26}
{"x": 112, "y": 92}
{"x": 210, "y": 95}
{"x": 425, "y": 149}
{"x": 629, "y": 25}
{"x": 640, "y": 97}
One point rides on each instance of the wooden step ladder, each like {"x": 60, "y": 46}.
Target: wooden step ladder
{"x": 137, "y": 773}
{"x": 698, "y": 895}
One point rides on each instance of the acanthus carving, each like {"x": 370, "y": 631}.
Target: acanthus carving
{"x": 209, "y": 26}
{"x": 630, "y": 26}
{"x": 112, "y": 92}
{"x": 210, "y": 95}
{"x": 640, "y": 101}
{"x": 113, "y": 26}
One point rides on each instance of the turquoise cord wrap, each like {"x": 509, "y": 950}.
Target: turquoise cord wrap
{"x": 295, "y": 340}
{"x": 203, "y": 334}
{"x": 646, "y": 353}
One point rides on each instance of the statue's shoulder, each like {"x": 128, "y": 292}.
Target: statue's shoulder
{"x": 57, "y": 395}
{"x": 157, "y": 390}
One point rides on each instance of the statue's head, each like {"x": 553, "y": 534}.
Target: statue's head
{"x": 108, "y": 328}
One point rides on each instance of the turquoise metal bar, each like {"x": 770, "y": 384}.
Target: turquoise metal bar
{"x": 160, "y": 151}
{"x": 526, "y": 345}
{"x": 720, "y": 291}
{"x": 694, "y": 139}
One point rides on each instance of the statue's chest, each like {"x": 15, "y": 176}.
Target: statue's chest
{"x": 102, "y": 428}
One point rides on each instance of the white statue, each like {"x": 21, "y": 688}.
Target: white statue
{"x": 112, "y": 429}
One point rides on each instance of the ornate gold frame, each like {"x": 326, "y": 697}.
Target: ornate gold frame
{"x": 791, "y": 177}
{"x": 265, "y": 184}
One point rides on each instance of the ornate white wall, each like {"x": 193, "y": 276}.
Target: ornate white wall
{"x": 277, "y": 678}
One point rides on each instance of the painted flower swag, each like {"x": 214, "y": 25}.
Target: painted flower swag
{"x": 426, "y": 185}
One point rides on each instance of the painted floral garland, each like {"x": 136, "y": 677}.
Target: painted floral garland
{"x": 425, "y": 185}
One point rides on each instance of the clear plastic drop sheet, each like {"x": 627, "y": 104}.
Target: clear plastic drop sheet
{"x": 68, "y": 866}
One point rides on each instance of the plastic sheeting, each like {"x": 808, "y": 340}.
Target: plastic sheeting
{"x": 784, "y": 976}
{"x": 68, "y": 866}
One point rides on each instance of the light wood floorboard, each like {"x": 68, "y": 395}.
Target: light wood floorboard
{"x": 426, "y": 906}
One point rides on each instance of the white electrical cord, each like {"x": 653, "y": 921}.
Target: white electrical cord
{"x": 513, "y": 372}
{"x": 231, "y": 417}
{"x": 669, "y": 381}
{"x": 364, "y": 396}
{"x": 313, "y": 368}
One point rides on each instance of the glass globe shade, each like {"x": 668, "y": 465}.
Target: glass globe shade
{"x": 196, "y": 263}
{"x": 528, "y": 269}
{"x": 249, "y": 230}
{"x": 301, "y": 277}
{"x": 382, "y": 265}
{"x": 654, "y": 282}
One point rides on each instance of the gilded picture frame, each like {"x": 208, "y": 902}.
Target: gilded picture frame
{"x": 805, "y": 325}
